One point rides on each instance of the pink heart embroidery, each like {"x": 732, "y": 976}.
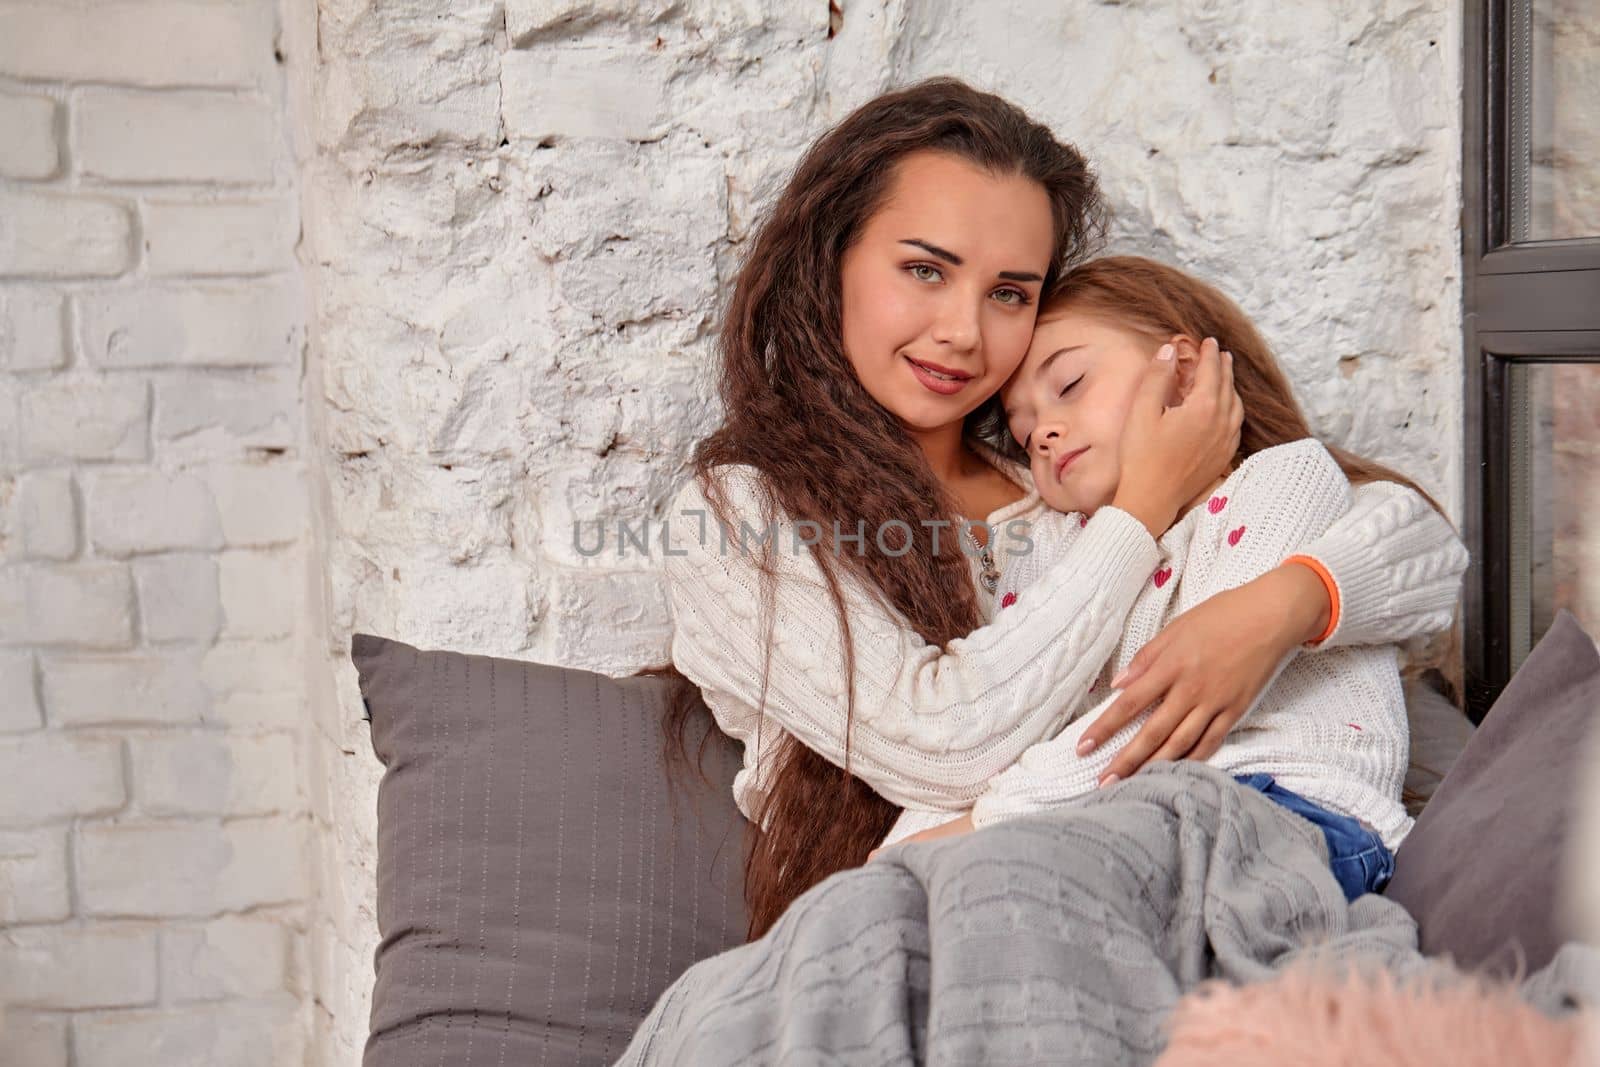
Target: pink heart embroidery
{"x": 1162, "y": 575}
{"x": 1233, "y": 538}
{"x": 1083, "y": 520}
{"x": 1352, "y": 726}
{"x": 1008, "y": 600}
{"x": 1216, "y": 504}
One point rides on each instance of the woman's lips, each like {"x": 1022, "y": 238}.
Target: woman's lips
{"x": 942, "y": 386}
{"x": 1067, "y": 459}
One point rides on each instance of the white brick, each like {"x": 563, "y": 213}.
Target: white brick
{"x": 252, "y": 667}
{"x": 19, "y": 694}
{"x": 205, "y": 414}
{"x": 261, "y": 504}
{"x": 249, "y": 711}
{"x": 260, "y": 593}
{"x": 132, "y": 511}
{"x": 85, "y": 604}
{"x": 237, "y": 237}
{"x": 47, "y": 515}
{"x": 33, "y": 877}
{"x": 583, "y": 92}
{"x": 231, "y": 957}
{"x": 123, "y": 690}
{"x": 28, "y": 131}
{"x": 33, "y": 333}
{"x": 189, "y": 868}
{"x": 214, "y": 774}
{"x": 178, "y": 598}
{"x": 610, "y": 622}
{"x": 35, "y": 1040}
{"x": 216, "y": 325}
{"x": 527, "y": 18}
{"x": 54, "y": 236}
{"x": 85, "y": 421}
{"x": 260, "y": 1032}
{"x": 10, "y": 430}
{"x": 139, "y": 43}
{"x": 185, "y": 137}
{"x": 47, "y": 776}
{"x": 78, "y": 967}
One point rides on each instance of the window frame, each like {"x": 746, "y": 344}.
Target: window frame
{"x": 1523, "y": 303}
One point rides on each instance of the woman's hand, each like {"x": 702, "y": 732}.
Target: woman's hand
{"x": 952, "y": 828}
{"x": 1204, "y": 686}
{"x": 1171, "y": 454}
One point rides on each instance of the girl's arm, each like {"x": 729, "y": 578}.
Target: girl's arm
{"x": 1280, "y": 500}
{"x": 1387, "y": 570}
{"x": 931, "y": 726}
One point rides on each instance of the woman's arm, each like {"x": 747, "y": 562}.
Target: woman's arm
{"x": 1388, "y": 569}
{"x": 1282, "y": 498}
{"x": 931, "y": 726}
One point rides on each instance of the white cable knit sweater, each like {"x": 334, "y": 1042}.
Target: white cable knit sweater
{"x": 1330, "y": 726}
{"x": 932, "y": 727}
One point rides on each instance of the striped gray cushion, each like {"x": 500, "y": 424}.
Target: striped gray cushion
{"x": 536, "y": 888}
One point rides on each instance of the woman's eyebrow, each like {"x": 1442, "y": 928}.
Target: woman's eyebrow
{"x": 933, "y": 250}
{"x": 955, "y": 260}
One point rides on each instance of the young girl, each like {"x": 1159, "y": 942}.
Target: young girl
{"x": 888, "y": 293}
{"x": 1328, "y": 738}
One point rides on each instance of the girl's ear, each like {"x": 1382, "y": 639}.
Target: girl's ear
{"x": 1188, "y": 357}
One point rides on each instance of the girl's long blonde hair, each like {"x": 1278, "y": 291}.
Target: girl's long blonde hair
{"x": 1158, "y": 301}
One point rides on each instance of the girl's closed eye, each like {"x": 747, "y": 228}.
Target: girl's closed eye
{"x": 1064, "y": 390}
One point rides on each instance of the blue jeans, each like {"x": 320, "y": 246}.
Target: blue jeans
{"x": 1360, "y": 860}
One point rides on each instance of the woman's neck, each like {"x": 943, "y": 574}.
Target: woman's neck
{"x": 946, "y": 453}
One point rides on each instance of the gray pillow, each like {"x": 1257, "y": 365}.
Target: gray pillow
{"x": 1439, "y": 734}
{"x": 1481, "y": 871}
{"x": 537, "y": 890}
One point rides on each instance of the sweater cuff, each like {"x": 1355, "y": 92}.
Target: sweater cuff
{"x": 1332, "y": 588}
{"x": 1119, "y": 543}
{"x": 1358, "y": 579}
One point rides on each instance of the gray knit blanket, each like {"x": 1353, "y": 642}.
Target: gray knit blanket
{"x": 1059, "y": 938}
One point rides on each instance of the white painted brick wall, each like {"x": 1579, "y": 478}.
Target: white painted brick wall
{"x": 524, "y": 217}
{"x": 521, "y": 216}
{"x": 156, "y": 533}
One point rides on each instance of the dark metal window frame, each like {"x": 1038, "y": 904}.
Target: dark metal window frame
{"x": 1523, "y": 303}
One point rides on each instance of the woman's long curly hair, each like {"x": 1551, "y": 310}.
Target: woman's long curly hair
{"x": 795, "y": 410}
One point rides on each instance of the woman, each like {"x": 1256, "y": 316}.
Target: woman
{"x": 889, "y": 293}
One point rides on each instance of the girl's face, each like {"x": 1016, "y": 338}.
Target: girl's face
{"x": 1068, "y": 402}
{"x": 941, "y": 287}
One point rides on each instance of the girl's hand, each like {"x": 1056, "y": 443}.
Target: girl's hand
{"x": 1172, "y": 454}
{"x": 1203, "y": 685}
{"x": 952, "y": 828}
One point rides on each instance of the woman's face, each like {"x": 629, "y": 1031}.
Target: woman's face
{"x": 1068, "y": 402}
{"x": 941, "y": 286}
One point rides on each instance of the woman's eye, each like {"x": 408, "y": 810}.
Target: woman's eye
{"x": 924, "y": 273}
{"x": 1015, "y": 296}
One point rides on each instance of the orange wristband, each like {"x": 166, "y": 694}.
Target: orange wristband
{"x": 1333, "y": 595}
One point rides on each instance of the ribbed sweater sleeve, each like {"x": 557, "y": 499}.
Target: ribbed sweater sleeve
{"x": 930, "y": 726}
{"x": 1279, "y": 499}
{"x": 1397, "y": 564}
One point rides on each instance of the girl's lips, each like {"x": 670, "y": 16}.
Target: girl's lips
{"x": 942, "y": 386}
{"x": 1067, "y": 459}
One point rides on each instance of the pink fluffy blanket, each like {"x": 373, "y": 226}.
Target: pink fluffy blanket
{"x": 1319, "y": 1016}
